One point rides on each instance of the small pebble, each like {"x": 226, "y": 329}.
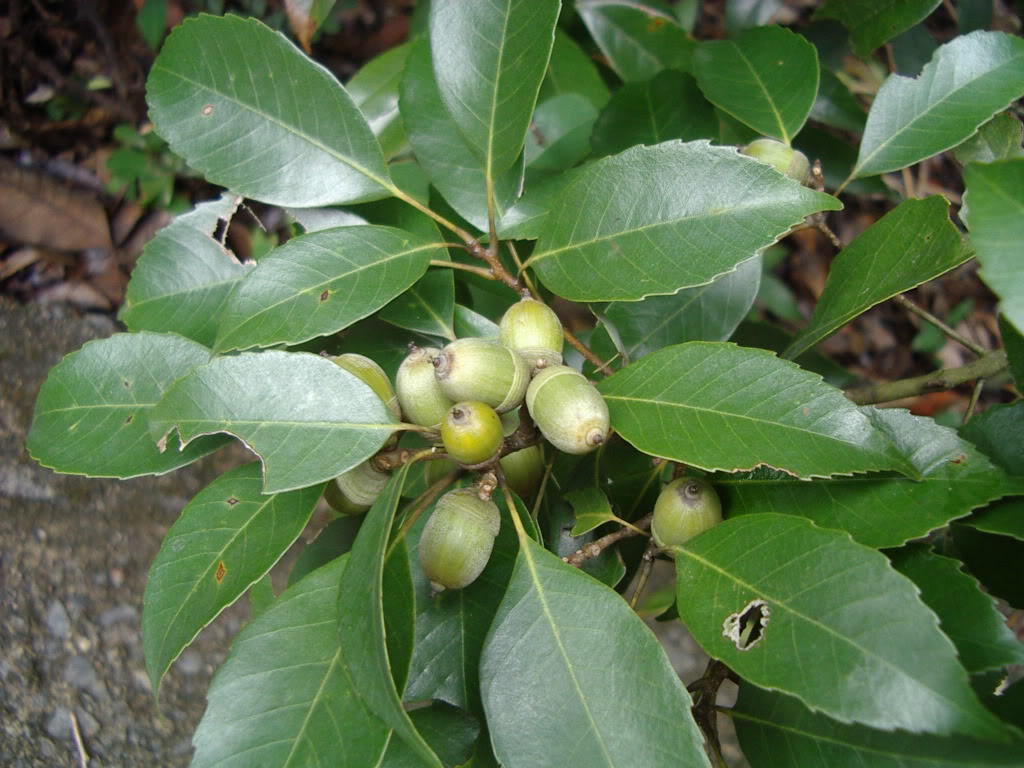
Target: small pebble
{"x": 57, "y": 620}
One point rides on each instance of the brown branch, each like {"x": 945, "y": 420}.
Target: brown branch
{"x": 705, "y": 692}
{"x": 989, "y": 364}
{"x": 497, "y": 268}
{"x": 583, "y": 349}
{"x": 596, "y": 547}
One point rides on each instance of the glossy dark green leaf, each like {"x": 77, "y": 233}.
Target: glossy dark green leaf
{"x": 638, "y": 40}
{"x": 321, "y": 283}
{"x": 374, "y": 90}
{"x": 449, "y": 731}
{"x": 226, "y": 539}
{"x": 767, "y": 78}
{"x": 330, "y": 544}
{"x": 489, "y": 60}
{"x": 635, "y": 224}
{"x": 668, "y": 106}
{"x": 777, "y": 731}
{"x": 873, "y": 22}
{"x": 559, "y": 135}
{"x": 967, "y": 81}
{"x": 836, "y": 106}
{"x": 706, "y": 313}
{"x": 995, "y": 192}
{"x": 427, "y": 307}
{"x": 968, "y": 616}
{"x": 882, "y": 509}
{"x": 93, "y": 411}
{"x": 308, "y": 419}
{"x": 1005, "y": 519}
{"x": 253, "y": 114}
{"x": 992, "y": 559}
{"x": 794, "y": 608}
{"x": 184, "y": 276}
{"x": 719, "y": 406}
{"x": 912, "y": 50}
{"x": 571, "y": 70}
{"x": 441, "y": 150}
{"x": 913, "y": 243}
{"x": 998, "y": 139}
{"x": 554, "y": 667}
{"x": 283, "y": 697}
{"x": 368, "y": 648}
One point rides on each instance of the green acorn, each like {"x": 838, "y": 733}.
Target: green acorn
{"x": 782, "y": 157}
{"x": 568, "y": 409}
{"x": 458, "y": 538}
{"x": 419, "y": 392}
{"x": 533, "y": 330}
{"x": 686, "y": 506}
{"x": 353, "y": 492}
{"x": 371, "y": 373}
{"x": 524, "y": 470}
{"x": 471, "y": 432}
{"x": 476, "y": 369}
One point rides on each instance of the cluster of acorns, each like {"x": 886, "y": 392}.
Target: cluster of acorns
{"x": 470, "y": 392}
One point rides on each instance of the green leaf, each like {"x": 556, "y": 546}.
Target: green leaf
{"x": 608, "y": 567}
{"x": 571, "y": 70}
{"x": 912, "y": 244}
{"x": 374, "y": 90}
{"x": 639, "y": 41}
{"x": 912, "y": 50}
{"x": 668, "y": 106}
{"x": 253, "y": 114}
{"x": 591, "y": 508}
{"x": 873, "y": 22}
{"x": 1004, "y": 519}
{"x": 882, "y": 510}
{"x": 368, "y": 645}
{"x": 184, "y": 276}
{"x": 318, "y": 219}
{"x": 968, "y": 616}
{"x": 767, "y": 78}
{"x": 706, "y": 313}
{"x": 321, "y": 283}
{"x": 1013, "y": 344}
{"x": 997, "y": 433}
{"x": 226, "y": 539}
{"x": 470, "y": 323}
{"x": 524, "y": 220}
{"x": 489, "y": 61}
{"x": 967, "y": 81}
{"x": 283, "y": 697}
{"x": 331, "y": 543}
{"x": 992, "y": 559}
{"x": 998, "y": 139}
{"x": 151, "y": 21}
{"x": 617, "y": 232}
{"x": 556, "y": 667}
{"x": 559, "y": 134}
{"x": 305, "y": 417}
{"x": 427, "y": 307}
{"x": 442, "y": 151}
{"x": 777, "y": 731}
{"x": 794, "y": 608}
{"x": 996, "y": 222}
{"x": 92, "y": 415}
{"x": 719, "y": 406}
{"x": 836, "y": 106}
{"x": 449, "y": 731}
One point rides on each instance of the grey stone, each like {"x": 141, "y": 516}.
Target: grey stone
{"x": 80, "y": 673}
{"x": 57, "y": 620}
{"x": 59, "y": 724}
{"x": 120, "y": 612}
{"x": 190, "y": 663}
{"x": 87, "y": 724}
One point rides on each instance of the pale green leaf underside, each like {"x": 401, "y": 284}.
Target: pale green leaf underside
{"x": 321, "y": 283}
{"x": 824, "y": 642}
{"x": 227, "y": 537}
{"x": 244, "y": 107}
{"x": 283, "y": 697}
{"x": 719, "y": 406}
{"x": 912, "y": 244}
{"x": 636, "y": 224}
{"x": 967, "y": 81}
{"x": 184, "y": 276}
{"x": 335, "y": 424}
{"x": 93, "y": 411}
{"x": 561, "y": 664}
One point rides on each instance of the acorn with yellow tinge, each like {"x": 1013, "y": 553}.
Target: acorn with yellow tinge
{"x": 458, "y": 538}
{"x": 374, "y": 376}
{"x": 353, "y": 492}
{"x": 419, "y": 393}
{"x": 532, "y": 329}
{"x": 471, "y": 432}
{"x": 783, "y": 158}
{"x": 686, "y": 506}
{"x": 568, "y": 409}
{"x": 477, "y": 369}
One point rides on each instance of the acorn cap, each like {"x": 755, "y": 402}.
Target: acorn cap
{"x": 457, "y": 540}
{"x": 371, "y": 373}
{"x": 568, "y": 409}
{"x": 524, "y": 470}
{"x": 353, "y": 492}
{"x": 419, "y": 392}
{"x": 532, "y": 329}
{"x": 471, "y": 432}
{"x": 685, "y": 507}
{"x": 786, "y": 160}
{"x": 476, "y": 369}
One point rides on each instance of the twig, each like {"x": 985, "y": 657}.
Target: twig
{"x": 951, "y": 11}
{"x": 596, "y": 547}
{"x": 497, "y": 268}
{"x": 989, "y": 364}
{"x": 908, "y": 183}
{"x": 481, "y": 271}
{"x": 975, "y": 395}
{"x": 646, "y": 565}
{"x": 583, "y": 349}
{"x": 521, "y": 270}
{"x": 924, "y": 314}
{"x": 819, "y": 222}
{"x": 705, "y": 692}
{"x": 83, "y": 756}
